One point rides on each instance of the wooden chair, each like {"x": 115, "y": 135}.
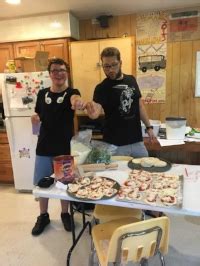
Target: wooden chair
{"x": 105, "y": 213}
{"x": 125, "y": 240}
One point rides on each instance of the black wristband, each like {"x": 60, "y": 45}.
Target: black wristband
{"x": 147, "y": 128}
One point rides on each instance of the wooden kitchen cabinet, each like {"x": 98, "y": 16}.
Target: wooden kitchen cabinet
{"x": 6, "y": 53}
{"x": 26, "y": 48}
{"x": 56, "y": 48}
{"x": 6, "y": 173}
{"x": 86, "y": 64}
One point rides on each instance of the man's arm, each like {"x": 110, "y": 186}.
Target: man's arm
{"x": 94, "y": 109}
{"x": 145, "y": 119}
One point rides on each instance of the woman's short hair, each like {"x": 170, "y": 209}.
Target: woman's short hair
{"x": 57, "y": 61}
{"x": 111, "y": 51}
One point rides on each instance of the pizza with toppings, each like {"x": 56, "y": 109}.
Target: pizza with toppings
{"x": 152, "y": 188}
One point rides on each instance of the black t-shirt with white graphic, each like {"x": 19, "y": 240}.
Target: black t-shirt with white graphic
{"x": 56, "y": 118}
{"x": 120, "y": 101}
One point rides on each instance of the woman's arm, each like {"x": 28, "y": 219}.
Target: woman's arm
{"x": 77, "y": 102}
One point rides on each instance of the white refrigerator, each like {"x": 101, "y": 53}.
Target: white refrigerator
{"x": 19, "y": 91}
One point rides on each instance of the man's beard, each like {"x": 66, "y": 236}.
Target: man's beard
{"x": 118, "y": 75}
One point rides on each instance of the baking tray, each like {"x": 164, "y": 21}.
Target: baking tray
{"x": 115, "y": 186}
{"x": 158, "y": 202}
{"x": 132, "y": 165}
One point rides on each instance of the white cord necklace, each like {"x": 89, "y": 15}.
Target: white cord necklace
{"x": 60, "y": 99}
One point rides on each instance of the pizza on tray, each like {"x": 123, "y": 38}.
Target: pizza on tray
{"x": 93, "y": 188}
{"x": 152, "y": 188}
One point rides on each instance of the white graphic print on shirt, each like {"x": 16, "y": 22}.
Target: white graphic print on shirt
{"x": 126, "y": 98}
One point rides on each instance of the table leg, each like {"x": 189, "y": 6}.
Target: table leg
{"x": 74, "y": 238}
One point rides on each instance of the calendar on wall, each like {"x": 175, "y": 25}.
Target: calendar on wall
{"x": 197, "y": 86}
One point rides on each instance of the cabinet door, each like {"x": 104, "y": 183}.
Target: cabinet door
{"x": 26, "y": 48}
{"x": 6, "y": 53}
{"x": 56, "y": 48}
{"x": 85, "y": 67}
{"x": 126, "y": 47}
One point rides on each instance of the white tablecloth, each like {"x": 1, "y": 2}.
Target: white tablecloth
{"x": 191, "y": 190}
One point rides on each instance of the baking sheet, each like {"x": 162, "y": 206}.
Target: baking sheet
{"x": 158, "y": 202}
{"x": 132, "y": 165}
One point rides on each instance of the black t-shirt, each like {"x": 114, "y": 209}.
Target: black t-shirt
{"x": 120, "y": 101}
{"x": 56, "y": 118}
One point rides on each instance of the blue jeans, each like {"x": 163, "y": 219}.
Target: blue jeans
{"x": 43, "y": 168}
{"x": 135, "y": 150}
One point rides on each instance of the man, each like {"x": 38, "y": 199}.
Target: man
{"x": 55, "y": 111}
{"x": 118, "y": 95}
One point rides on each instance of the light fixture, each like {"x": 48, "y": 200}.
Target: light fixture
{"x": 56, "y": 24}
{"x": 13, "y": 2}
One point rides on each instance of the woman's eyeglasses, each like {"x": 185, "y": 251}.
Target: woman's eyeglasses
{"x": 57, "y": 71}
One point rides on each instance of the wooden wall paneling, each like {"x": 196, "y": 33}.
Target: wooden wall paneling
{"x": 112, "y": 30}
{"x": 82, "y": 29}
{"x": 133, "y": 25}
{"x": 169, "y": 86}
{"x": 195, "y": 101}
{"x": 6, "y": 53}
{"x": 175, "y": 80}
{"x": 185, "y": 92}
{"x": 89, "y": 32}
{"x": 124, "y": 25}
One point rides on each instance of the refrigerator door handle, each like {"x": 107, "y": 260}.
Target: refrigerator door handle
{"x": 9, "y": 129}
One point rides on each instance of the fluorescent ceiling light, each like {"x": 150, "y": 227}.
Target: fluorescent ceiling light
{"x": 13, "y": 2}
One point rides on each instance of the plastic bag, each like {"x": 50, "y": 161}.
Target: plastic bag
{"x": 101, "y": 152}
{"x": 80, "y": 146}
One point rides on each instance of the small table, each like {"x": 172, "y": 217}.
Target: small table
{"x": 188, "y": 153}
{"x": 190, "y": 202}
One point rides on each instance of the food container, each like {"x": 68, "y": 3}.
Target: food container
{"x": 64, "y": 168}
{"x": 79, "y": 151}
{"x": 175, "y": 127}
{"x": 156, "y": 126}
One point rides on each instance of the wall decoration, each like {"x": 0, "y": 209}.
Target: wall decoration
{"x": 151, "y": 40}
{"x": 184, "y": 25}
{"x": 24, "y": 153}
{"x": 197, "y": 85}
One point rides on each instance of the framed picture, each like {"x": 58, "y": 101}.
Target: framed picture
{"x": 197, "y": 85}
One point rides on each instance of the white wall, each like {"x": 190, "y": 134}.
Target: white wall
{"x": 39, "y": 27}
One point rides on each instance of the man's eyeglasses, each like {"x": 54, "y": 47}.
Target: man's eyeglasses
{"x": 113, "y": 65}
{"x": 57, "y": 71}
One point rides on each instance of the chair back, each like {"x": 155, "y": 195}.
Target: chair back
{"x": 135, "y": 241}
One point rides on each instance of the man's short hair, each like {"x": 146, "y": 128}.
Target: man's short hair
{"x": 111, "y": 51}
{"x": 57, "y": 61}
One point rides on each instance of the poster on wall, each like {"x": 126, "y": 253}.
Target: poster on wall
{"x": 151, "y": 41}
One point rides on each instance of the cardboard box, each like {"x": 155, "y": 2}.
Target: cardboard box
{"x": 31, "y": 64}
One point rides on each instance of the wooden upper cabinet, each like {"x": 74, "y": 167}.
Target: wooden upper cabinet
{"x": 56, "y": 48}
{"x": 85, "y": 65}
{"x": 26, "y": 48}
{"x": 6, "y": 53}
